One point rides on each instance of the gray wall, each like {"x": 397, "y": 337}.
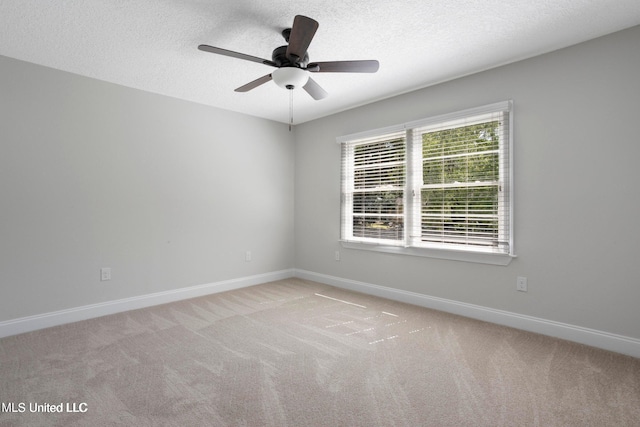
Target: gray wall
{"x": 577, "y": 205}
{"x": 167, "y": 193}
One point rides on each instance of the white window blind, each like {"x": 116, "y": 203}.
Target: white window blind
{"x": 373, "y": 188}
{"x": 463, "y": 195}
{"x": 440, "y": 183}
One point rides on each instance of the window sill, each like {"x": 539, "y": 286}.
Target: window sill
{"x": 448, "y": 254}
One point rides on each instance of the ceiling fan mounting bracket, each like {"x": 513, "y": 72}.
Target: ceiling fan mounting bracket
{"x": 286, "y": 33}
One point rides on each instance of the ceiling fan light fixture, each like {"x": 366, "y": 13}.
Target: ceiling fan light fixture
{"x": 290, "y": 77}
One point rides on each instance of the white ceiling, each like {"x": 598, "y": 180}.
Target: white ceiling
{"x": 152, "y": 44}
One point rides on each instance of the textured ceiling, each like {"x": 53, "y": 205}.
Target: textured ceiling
{"x": 152, "y": 45}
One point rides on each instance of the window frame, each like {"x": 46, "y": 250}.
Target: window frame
{"x": 411, "y": 244}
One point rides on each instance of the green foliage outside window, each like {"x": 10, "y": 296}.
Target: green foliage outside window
{"x": 461, "y": 183}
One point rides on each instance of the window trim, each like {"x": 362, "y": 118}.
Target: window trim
{"x": 447, "y": 252}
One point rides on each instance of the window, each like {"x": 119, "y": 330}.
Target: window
{"x": 436, "y": 187}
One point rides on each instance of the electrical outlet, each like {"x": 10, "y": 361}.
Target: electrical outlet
{"x": 105, "y": 274}
{"x": 337, "y": 256}
{"x": 247, "y": 256}
{"x": 521, "y": 284}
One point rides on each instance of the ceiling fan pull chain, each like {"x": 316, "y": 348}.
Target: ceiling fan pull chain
{"x": 290, "y": 109}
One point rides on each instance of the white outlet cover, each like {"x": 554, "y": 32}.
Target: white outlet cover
{"x": 521, "y": 284}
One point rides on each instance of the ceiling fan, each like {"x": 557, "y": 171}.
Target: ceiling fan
{"x": 292, "y": 61}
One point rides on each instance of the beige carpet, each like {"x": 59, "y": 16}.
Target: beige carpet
{"x": 298, "y": 353}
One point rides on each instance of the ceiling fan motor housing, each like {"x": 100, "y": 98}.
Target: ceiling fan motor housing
{"x": 279, "y": 57}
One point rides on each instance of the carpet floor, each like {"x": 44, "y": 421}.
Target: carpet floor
{"x": 299, "y": 353}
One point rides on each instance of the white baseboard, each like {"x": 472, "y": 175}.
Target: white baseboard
{"x": 591, "y": 337}
{"x": 46, "y": 320}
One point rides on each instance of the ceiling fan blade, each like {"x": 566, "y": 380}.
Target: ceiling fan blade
{"x": 301, "y": 35}
{"x": 233, "y": 54}
{"x": 315, "y": 90}
{"x": 254, "y": 84}
{"x": 367, "y": 66}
